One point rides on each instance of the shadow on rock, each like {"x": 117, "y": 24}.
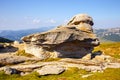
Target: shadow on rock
{"x": 8, "y": 49}
{"x": 96, "y": 53}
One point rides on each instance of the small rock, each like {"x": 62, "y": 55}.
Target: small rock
{"x": 24, "y": 73}
{"x": 84, "y": 76}
{"x": 10, "y": 71}
{"x": 51, "y": 69}
{"x": 94, "y": 68}
{"x": 102, "y": 58}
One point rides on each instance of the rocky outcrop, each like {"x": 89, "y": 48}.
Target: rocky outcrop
{"x": 9, "y": 59}
{"x": 57, "y": 67}
{"x": 12, "y": 59}
{"x": 76, "y": 39}
{"x": 10, "y": 63}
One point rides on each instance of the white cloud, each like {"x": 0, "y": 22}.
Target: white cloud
{"x": 52, "y": 21}
{"x": 36, "y": 21}
{"x": 31, "y": 20}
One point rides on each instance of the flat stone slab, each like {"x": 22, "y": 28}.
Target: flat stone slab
{"x": 51, "y": 69}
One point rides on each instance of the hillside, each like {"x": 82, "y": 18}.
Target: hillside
{"x": 112, "y": 34}
{"x": 112, "y": 49}
{"x": 2, "y": 40}
{"x": 16, "y": 35}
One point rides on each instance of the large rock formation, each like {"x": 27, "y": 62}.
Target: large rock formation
{"x": 76, "y": 39}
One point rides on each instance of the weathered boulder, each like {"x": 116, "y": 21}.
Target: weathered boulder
{"x": 76, "y": 39}
{"x": 9, "y": 59}
{"x": 51, "y": 69}
{"x": 12, "y": 59}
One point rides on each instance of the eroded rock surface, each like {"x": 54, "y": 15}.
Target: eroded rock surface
{"x": 84, "y": 22}
{"x": 51, "y": 69}
{"x": 57, "y": 67}
{"x": 76, "y": 39}
{"x": 11, "y": 58}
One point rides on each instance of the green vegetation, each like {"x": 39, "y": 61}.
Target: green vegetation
{"x": 50, "y": 59}
{"x": 70, "y": 74}
{"x": 112, "y": 35}
{"x": 112, "y": 49}
{"x": 3, "y": 76}
{"x": 23, "y": 53}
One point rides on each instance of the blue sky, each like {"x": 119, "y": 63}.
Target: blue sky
{"x": 26, "y": 14}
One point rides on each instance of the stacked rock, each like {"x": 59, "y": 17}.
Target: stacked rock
{"x": 76, "y": 39}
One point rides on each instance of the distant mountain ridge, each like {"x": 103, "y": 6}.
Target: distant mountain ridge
{"x": 3, "y": 40}
{"x": 16, "y": 35}
{"x": 111, "y": 34}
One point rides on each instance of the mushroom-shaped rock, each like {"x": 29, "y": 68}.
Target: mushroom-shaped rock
{"x": 83, "y": 22}
{"x": 64, "y": 41}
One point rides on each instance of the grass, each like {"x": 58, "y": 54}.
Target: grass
{"x": 4, "y": 76}
{"x": 109, "y": 74}
{"x": 110, "y": 48}
{"x": 23, "y": 53}
{"x": 50, "y": 59}
{"x": 70, "y": 74}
